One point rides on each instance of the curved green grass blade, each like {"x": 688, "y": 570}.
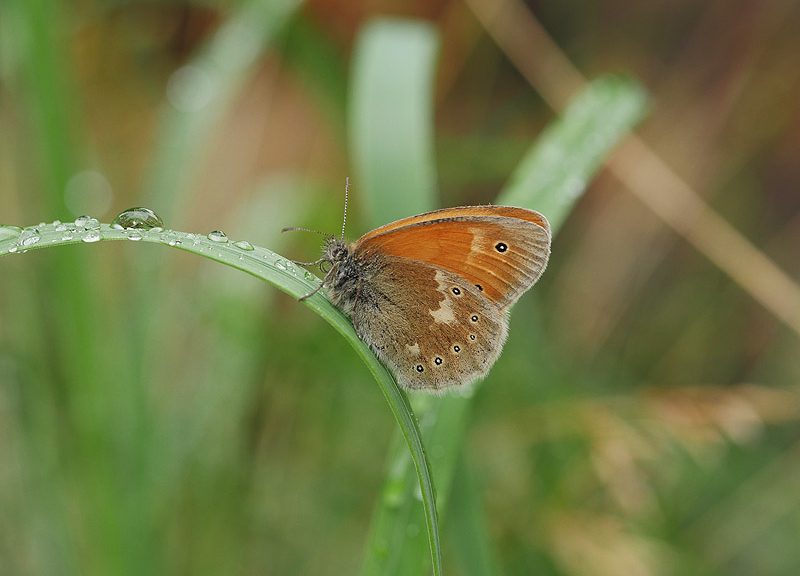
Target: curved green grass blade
{"x": 551, "y": 178}
{"x": 272, "y": 268}
{"x": 391, "y": 134}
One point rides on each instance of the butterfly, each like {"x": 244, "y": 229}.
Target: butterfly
{"x": 430, "y": 294}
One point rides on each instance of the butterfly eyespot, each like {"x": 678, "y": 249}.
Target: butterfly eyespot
{"x": 474, "y": 318}
{"x": 437, "y": 361}
{"x": 456, "y": 291}
{"x": 420, "y": 368}
{"x": 456, "y": 348}
{"x": 479, "y": 287}
{"x": 501, "y": 246}
{"x": 472, "y": 336}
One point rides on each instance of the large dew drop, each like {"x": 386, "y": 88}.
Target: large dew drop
{"x": 29, "y": 237}
{"x": 244, "y": 245}
{"x": 137, "y": 219}
{"x": 218, "y": 236}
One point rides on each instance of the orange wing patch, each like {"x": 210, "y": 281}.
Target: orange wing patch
{"x": 491, "y": 247}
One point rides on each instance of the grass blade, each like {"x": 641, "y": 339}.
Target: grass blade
{"x": 390, "y": 118}
{"x": 282, "y": 274}
{"x": 551, "y": 178}
{"x": 391, "y": 135}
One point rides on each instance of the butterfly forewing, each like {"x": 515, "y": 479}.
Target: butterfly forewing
{"x": 500, "y": 255}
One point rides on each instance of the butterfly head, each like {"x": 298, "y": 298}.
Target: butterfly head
{"x": 335, "y": 250}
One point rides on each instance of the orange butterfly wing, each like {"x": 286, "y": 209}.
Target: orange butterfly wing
{"x": 499, "y": 249}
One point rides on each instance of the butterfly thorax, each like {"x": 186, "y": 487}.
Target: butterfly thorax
{"x": 349, "y": 277}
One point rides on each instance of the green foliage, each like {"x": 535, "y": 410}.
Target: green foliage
{"x": 161, "y": 414}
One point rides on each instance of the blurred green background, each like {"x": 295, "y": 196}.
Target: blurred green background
{"x": 161, "y": 414}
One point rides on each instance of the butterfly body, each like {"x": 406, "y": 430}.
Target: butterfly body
{"x": 430, "y": 294}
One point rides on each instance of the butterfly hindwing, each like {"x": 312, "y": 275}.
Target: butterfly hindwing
{"x": 433, "y": 339}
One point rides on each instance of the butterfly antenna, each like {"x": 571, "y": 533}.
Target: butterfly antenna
{"x": 302, "y": 229}
{"x": 346, "y": 194}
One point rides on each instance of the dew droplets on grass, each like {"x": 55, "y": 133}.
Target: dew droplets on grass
{"x": 91, "y": 224}
{"x": 284, "y": 265}
{"x": 244, "y": 245}
{"x": 82, "y": 220}
{"x": 138, "y": 218}
{"x": 217, "y": 236}
{"x": 171, "y": 238}
{"x": 134, "y": 235}
{"x": 91, "y": 236}
{"x": 28, "y": 237}
{"x": 7, "y": 232}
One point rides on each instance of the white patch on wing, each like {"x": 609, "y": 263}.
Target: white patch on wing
{"x": 444, "y": 313}
{"x": 413, "y": 350}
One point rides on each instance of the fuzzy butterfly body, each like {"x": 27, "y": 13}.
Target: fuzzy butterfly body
{"x": 430, "y": 294}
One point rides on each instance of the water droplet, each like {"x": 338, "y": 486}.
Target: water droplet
{"x": 156, "y": 230}
{"x": 61, "y": 227}
{"x": 13, "y": 249}
{"x": 92, "y": 224}
{"x": 217, "y": 236}
{"x": 29, "y": 237}
{"x": 82, "y": 220}
{"x": 137, "y": 218}
{"x": 7, "y": 232}
{"x": 175, "y": 242}
{"x": 280, "y": 264}
{"x": 134, "y": 235}
{"x": 69, "y": 235}
{"x": 244, "y": 245}
{"x": 56, "y": 223}
{"x": 309, "y": 276}
{"x": 91, "y": 236}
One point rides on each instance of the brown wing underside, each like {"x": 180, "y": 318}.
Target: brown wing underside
{"x": 491, "y": 247}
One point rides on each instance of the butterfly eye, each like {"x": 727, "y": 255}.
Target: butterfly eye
{"x": 501, "y": 246}
{"x": 474, "y": 318}
{"x": 457, "y": 291}
{"x": 420, "y": 368}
